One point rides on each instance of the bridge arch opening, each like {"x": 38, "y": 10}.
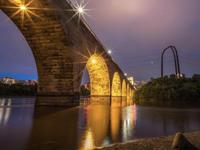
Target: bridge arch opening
{"x": 98, "y": 76}
{"x": 124, "y": 92}
{"x": 116, "y": 85}
{"x": 128, "y": 91}
{"x": 50, "y": 47}
{"x": 17, "y": 58}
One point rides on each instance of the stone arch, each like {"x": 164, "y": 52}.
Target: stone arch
{"x": 128, "y": 90}
{"x": 99, "y": 76}
{"x": 124, "y": 88}
{"x": 49, "y": 43}
{"x": 116, "y": 85}
{"x": 20, "y": 49}
{"x": 131, "y": 93}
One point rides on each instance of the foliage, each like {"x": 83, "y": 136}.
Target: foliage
{"x": 84, "y": 91}
{"x": 169, "y": 91}
{"x": 17, "y": 90}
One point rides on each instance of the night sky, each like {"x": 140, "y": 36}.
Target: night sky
{"x": 135, "y": 30}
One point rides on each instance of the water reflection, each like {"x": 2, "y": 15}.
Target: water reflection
{"x": 103, "y": 121}
{"x": 96, "y": 118}
{"x": 129, "y": 117}
{"x": 97, "y": 122}
{"x": 88, "y": 141}
{"x": 15, "y": 123}
{"x": 5, "y": 111}
{"x": 165, "y": 121}
{"x": 54, "y": 128}
{"x": 115, "y": 117}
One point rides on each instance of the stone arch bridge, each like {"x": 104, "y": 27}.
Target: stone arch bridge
{"x": 62, "y": 47}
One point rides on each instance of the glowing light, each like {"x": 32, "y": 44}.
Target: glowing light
{"x": 23, "y": 7}
{"x": 89, "y": 141}
{"x": 109, "y": 51}
{"x": 80, "y": 10}
{"x": 99, "y": 75}
{"x": 129, "y": 119}
{"x": 124, "y": 92}
{"x": 116, "y": 85}
{"x": 125, "y": 74}
{"x": 5, "y": 111}
{"x": 94, "y": 61}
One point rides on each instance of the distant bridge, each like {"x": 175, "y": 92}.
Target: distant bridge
{"x": 62, "y": 48}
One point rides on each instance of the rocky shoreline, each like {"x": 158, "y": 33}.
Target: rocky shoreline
{"x": 160, "y": 143}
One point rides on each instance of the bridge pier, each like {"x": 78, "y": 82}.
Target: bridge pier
{"x": 58, "y": 101}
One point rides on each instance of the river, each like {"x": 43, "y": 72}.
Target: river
{"x": 22, "y": 126}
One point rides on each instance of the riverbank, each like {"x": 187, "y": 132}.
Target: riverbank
{"x": 17, "y": 90}
{"x": 160, "y": 143}
{"x": 170, "y": 92}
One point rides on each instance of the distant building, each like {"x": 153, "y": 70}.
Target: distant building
{"x": 139, "y": 84}
{"x": 27, "y": 82}
{"x": 10, "y": 81}
{"x": 32, "y": 82}
{"x": 143, "y": 82}
{"x": 22, "y": 82}
{"x": 131, "y": 80}
{"x": 7, "y": 80}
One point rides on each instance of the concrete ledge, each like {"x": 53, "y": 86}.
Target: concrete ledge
{"x": 160, "y": 143}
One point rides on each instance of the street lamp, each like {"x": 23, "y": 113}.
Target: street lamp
{"x": 80, "y": 10}
{"x": 109, "y": 52}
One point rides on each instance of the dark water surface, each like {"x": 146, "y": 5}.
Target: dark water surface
{"x": 92, "y": 124}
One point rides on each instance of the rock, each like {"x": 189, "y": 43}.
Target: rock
{"x": 180, "y": 142}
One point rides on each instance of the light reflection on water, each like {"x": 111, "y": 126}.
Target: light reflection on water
{"x": 15, "y": 122}
{"x": 97, "y": 122}
{"x": 5, "y": 111}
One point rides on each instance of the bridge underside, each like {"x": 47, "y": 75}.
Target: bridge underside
{"x": 62, "y": 48}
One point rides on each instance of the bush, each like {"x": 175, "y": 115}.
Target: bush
{"x": 169, "y": 91}
{"x": 18, "y": 90}
{"x": 84, "y": 91}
